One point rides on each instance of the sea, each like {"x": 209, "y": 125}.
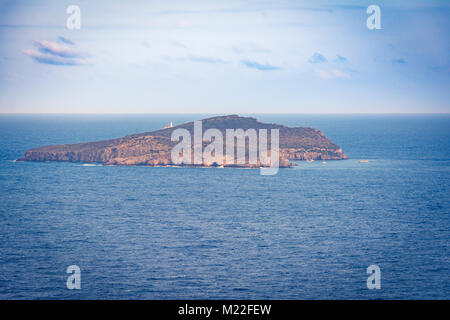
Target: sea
{"x": 308, "y": 232}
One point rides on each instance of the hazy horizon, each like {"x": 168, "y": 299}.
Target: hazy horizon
{"x": 228, "y": 113}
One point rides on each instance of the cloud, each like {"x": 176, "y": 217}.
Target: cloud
{"x": 332, "y": 74}
{"x": 146, "y": 44}
{"x": 195, "y": 58}
{"x": 56, "y": 49}
{"x": 399, "y": 61}
{"x": 341, "y": 59}
{"x": 53, "y": 53}
{"x": 46, "y": 58}
{"x": 66, "y": 41}
{"x": 256, "y": 65}
{"x": 317, "y": 58}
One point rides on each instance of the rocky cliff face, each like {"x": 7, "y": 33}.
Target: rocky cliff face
{"x": 154, "y": 148}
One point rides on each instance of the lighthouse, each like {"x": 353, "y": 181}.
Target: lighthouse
{"x": 169, "y": 126}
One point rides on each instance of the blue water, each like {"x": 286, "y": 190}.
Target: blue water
{"x": 309, "y": 232}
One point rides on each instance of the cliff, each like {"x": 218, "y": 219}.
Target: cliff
{"x": 154, "y": 148}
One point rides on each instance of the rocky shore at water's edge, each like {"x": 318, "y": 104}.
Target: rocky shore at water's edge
{"x": 154, "y": 148}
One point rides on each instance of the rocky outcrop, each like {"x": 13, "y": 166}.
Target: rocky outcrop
{"x": 154, "y": 148}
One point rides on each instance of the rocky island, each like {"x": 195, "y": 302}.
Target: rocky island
{"x": 154, "y": 148}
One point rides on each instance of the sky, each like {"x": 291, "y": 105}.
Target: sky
{"x": 224, "y": 57}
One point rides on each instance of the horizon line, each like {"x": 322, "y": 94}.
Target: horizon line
{"x": 230, "y": 113}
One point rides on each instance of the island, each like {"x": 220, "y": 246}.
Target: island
{"x": 154, "y": 148}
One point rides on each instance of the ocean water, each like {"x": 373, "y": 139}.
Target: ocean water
{"x": 308, "y": 232}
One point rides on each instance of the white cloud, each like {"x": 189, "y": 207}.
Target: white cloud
{"x": 53, "y": 53}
